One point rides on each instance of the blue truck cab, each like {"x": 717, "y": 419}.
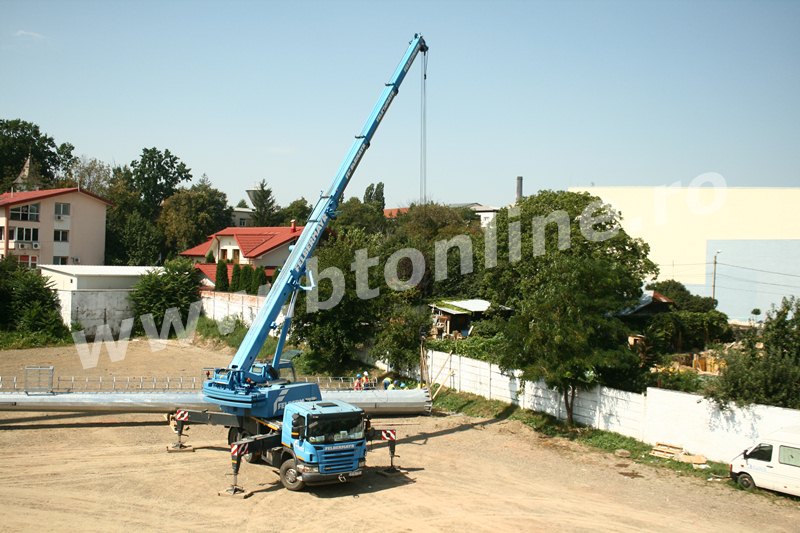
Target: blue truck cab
{"x": 327, "y": 443}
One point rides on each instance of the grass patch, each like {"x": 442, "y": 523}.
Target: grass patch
{"x": 231, "y": 332}
{"x": 18, "y": 340}
{"x": 473, "y": 405}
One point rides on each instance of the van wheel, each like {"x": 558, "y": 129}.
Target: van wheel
{"x": 745, "y": 481}
{"x": 290, "y": 477}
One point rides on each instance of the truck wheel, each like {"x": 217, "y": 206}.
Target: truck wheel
{"x": 290, "y": 475}
{"x": 745, "y": 481}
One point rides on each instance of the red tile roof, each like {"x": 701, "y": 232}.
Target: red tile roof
{"x": 394, "y": 212}
{"x": 209, "y": 270}
{"x": 13, "y": 198}
{"x": 253, "y": 242}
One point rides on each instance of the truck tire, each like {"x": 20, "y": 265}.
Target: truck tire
{"x": 745, "y": 481}
{"x": 290, "y": 475}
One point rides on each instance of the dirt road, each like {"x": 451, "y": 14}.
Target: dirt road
{"x": 111, "y": 472}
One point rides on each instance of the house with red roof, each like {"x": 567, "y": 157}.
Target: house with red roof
{"x": 258, "y": 246}
{"x": 53, "y": 226}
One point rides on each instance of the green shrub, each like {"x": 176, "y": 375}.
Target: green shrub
{"x": 178, "y": 285}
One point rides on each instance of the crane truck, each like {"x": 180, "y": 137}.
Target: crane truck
{"x": 284, "y": 423}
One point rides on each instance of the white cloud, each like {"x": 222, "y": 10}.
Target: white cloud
{"x": 29, "y": 35}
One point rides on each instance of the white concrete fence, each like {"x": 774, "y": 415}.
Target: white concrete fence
{"x": 220, "y": 305}
{"x": 686, "y": 420}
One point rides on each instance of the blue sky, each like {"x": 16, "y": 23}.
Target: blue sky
{"x": 562, "y": 93}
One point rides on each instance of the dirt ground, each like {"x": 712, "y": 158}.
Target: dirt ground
{"x": 92, "y": 472}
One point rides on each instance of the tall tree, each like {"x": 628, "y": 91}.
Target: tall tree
{"x": 576, "y": 267}
{"x": 265, "y": 208}
{"x": 236, "y": 278}
{"x": 190, "y": 215}
{"x": 155, "y": 177}
{"x": 299, "y": 211}
{"x": 19, "y": 140}
{"x": 91, "y": 175}
{"x": 222, "y": 283}
{"x": 242, "y": 204}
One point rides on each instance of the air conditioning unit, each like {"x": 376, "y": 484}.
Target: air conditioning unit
{"x": 59, "y": 217}
{"x": 36, "y": 246}
{"x": 22, "y": 245}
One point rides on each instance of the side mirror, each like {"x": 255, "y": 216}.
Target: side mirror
{"x": 745, "y": 455}
{"x": 298, "y": 427}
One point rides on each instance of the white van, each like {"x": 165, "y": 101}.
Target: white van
{"x": 773, "y": 463}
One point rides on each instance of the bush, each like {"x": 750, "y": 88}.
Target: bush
{"x": 176, "y": 286}
{"x": 29, "y": 305}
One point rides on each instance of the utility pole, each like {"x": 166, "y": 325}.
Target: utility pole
{"x": 714, "y": 277}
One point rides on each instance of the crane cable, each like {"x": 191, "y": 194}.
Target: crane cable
{"x": 423, "y": 139}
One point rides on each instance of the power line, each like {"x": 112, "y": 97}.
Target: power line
{"x": 758, "y": 282}
{"x": 760, "y": 270}
{"x": 748, "y": 290}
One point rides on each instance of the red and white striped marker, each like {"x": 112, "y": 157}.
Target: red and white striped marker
{"x": 239, "y": 450}
{"x": 388, "y": 434}
{"x": 183, "y": 416}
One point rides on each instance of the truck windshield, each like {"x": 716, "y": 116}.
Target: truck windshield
{"x": 335, "y": 429}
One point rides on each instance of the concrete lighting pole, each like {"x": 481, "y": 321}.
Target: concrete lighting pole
{"x": 714, "y": 277}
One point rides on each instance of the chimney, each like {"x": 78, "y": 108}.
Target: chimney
{"x": 294, "y": 226}
{"x": 519, "y": 189}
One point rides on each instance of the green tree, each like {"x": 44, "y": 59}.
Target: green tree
{"x": 299, "y": 211}
{"x": 246, "y": 278}
{"x": 210, "y": 257}
{"x": 20, "y": 139}
{"x": 190, "y": 215}
{"x": 576, "y": 267}
{"x": 354, "y": 214}
{"x": 91, "y": 175}
{"x": 155, "y": 177}
{"x": 333, "y": 335}
{"x": 28, "y": 302}
{"x": 177, "y": 286}
{"x": 236, "y": 278}
{"x": 397, "y": 337}
{"x": 684, "y": 300}
{"x": 242, "y": 204}
{"x": 259, "y": 279}
{"x": 221, "y": 284}
{"x": 265, "y": 208}
{"x": 768, "y": 375}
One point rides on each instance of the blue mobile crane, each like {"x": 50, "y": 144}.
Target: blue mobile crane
{"x": 287, "y": 424}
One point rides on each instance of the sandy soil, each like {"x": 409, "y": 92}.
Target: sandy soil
{"x": 111, "y": 472}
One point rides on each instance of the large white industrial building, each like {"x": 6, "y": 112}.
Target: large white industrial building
{"x": 753, "y": 232}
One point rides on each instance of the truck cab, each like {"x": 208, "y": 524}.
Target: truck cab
{"x": 771, "y": 463}
{"x": 322, "y": 442}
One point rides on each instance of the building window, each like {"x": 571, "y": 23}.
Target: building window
{"x": 28, "y": 260}
{"x": 62, "y": 210}
{"x": 235, "y": 255}
{"x": 60, "y": 260}
{"x": 60, "y": 235}
{"x": 224, "y": 254}
{"x": 29, "y": 213}
{"x": 24, "y": 234}
{"x": 242, "y": 222}
{"x": 2, "y": 232}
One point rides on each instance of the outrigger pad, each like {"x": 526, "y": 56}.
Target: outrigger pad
{"x": 179, "y": 447}
{"x": 235, "y": 492}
